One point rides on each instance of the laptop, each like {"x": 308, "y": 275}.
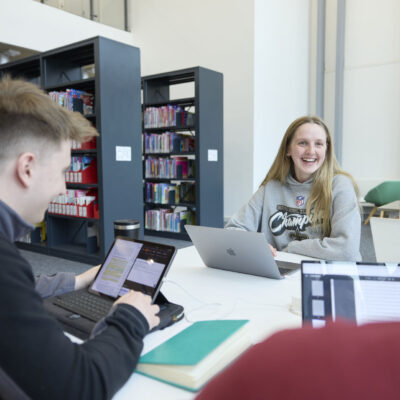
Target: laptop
{"x": 355, "y": 291}
{"x": 385, "y": 235}
{"x": 129, "y": 264}
{"x": 238, "y": 251}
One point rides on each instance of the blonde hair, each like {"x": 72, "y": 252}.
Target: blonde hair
{"x": 27, "y": 114}
{"x": 319, "y": 202}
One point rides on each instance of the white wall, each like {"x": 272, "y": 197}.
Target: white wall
{"x": 178, "y": 34}
{"x": 371, "y": 120}
{"x": 36, "y": 26}
{"x": 281, "y": 75}
{"x": 371, "y": 103}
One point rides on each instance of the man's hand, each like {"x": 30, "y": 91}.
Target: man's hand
{"x": 273, "y": 250}
{"x": 142, "y": 303}
{"x": 85, "y": 279}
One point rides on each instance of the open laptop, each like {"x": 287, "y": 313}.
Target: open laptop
{"x": 385, "y": 235}
{"x": 238, "y": 251}
{"x": 129, "y": 264}
{"x": 360, "y": 292}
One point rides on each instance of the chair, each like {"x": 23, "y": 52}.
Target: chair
{"x": 386, "y": 238}
{"x": 381, "y": 195}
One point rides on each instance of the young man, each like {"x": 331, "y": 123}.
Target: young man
{"x": 35, "y": 151}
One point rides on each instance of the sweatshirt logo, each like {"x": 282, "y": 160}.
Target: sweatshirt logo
{"x": 299, "y": 201}
{"x": 291, "y": 219}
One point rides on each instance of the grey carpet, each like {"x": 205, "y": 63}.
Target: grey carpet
{"x": 43, "y": 264}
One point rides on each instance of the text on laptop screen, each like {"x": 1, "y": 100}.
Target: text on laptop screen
{"x": 132, "y": 265}
{"x": 353, "y": 291}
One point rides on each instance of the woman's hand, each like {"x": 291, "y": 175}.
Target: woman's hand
{"x": 273, "y": 250}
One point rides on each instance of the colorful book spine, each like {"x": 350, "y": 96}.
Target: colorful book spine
{"x": 168, "y": 219}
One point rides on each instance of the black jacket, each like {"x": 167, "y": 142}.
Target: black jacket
{"x": 37, "y": 355}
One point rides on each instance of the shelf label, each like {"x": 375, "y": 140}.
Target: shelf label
{"x": 212, "y": 155}
{"x": 123, "y": 153}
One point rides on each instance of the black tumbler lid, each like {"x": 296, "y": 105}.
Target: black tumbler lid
{"x": 126, "y": 224}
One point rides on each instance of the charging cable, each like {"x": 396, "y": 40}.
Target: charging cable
{"x": 293, "y": 308}
{"x": 202, "y": 305}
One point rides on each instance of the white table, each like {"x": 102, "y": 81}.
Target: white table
{"x": 214, "y": 294}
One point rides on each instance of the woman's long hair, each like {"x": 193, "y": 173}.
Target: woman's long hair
{"x": 319, "y": 202}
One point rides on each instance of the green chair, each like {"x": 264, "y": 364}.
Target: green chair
{"x": 384, "y": 193}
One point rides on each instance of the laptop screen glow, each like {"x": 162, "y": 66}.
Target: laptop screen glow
{"x": 358, "y": 292}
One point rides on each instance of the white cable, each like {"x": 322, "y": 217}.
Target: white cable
{"x": 202, "y": 303}
{"x": 234, "y": 305}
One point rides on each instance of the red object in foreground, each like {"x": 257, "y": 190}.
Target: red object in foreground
{"x": 340, "y": 361}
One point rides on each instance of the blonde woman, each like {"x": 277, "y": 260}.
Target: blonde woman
{"x": 306, "y": 204}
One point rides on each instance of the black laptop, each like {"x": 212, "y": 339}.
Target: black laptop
{"x": 129, "y": 264}
{"x": 353, "y": 291}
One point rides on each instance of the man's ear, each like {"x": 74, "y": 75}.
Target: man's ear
{"x": 26, "y": 163}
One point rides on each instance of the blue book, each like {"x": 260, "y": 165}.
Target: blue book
{"x": 195, "y": 355}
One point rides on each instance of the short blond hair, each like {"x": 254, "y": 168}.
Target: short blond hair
{"x": 27, "y": 114}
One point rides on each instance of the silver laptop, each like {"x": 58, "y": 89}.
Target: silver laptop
{"x": 238, "y": 251}
{"x": 355, "y": 291}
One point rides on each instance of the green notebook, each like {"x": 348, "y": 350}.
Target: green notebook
{"x": 193, "y": 356}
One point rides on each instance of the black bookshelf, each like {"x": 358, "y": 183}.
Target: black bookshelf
{"x": 117, "y": 116}
{"x": 206, "y": 127}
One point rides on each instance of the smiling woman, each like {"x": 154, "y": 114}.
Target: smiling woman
{"x": 307, "y": 150}
{"x": 306, "y": 204}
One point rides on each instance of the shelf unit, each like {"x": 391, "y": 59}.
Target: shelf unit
{"x": 116, "y": 114}
{"x": 203, "y": 96}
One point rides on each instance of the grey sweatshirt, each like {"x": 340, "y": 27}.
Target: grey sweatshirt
{"x": 279, "y": 211}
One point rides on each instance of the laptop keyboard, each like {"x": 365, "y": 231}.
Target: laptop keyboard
{"x": 85, "y": 304}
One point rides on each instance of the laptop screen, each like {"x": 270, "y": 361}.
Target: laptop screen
{"x": 133, "y": 264}
{"x": 359, "y": 292}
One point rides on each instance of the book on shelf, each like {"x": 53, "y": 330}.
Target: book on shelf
{"x": 170, "y": 193}
{"x": 76, "y": 203}
{"x": 193, "y": 356}
{"x": 83, "y": 169}
{"x": 168, "y": 219}
{"x": 169, "y": 168}
{"x": 167, "y": 116}
{"x": 74, "y": 100}
{"x": 168, "y": 142}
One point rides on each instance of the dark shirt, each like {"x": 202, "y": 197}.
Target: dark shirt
{"x": 35, "y": 353}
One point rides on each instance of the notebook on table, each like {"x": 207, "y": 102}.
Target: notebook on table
{"x": 238, "y": 251}
{"x": 355, "y": 291}
{"x": 129, "y": 264}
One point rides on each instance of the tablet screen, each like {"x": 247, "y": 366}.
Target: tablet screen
{"x": 133, "y": 264}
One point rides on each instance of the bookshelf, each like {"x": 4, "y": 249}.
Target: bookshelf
{"x": 193, "y": 132}
{"x": 114, "y": 84}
